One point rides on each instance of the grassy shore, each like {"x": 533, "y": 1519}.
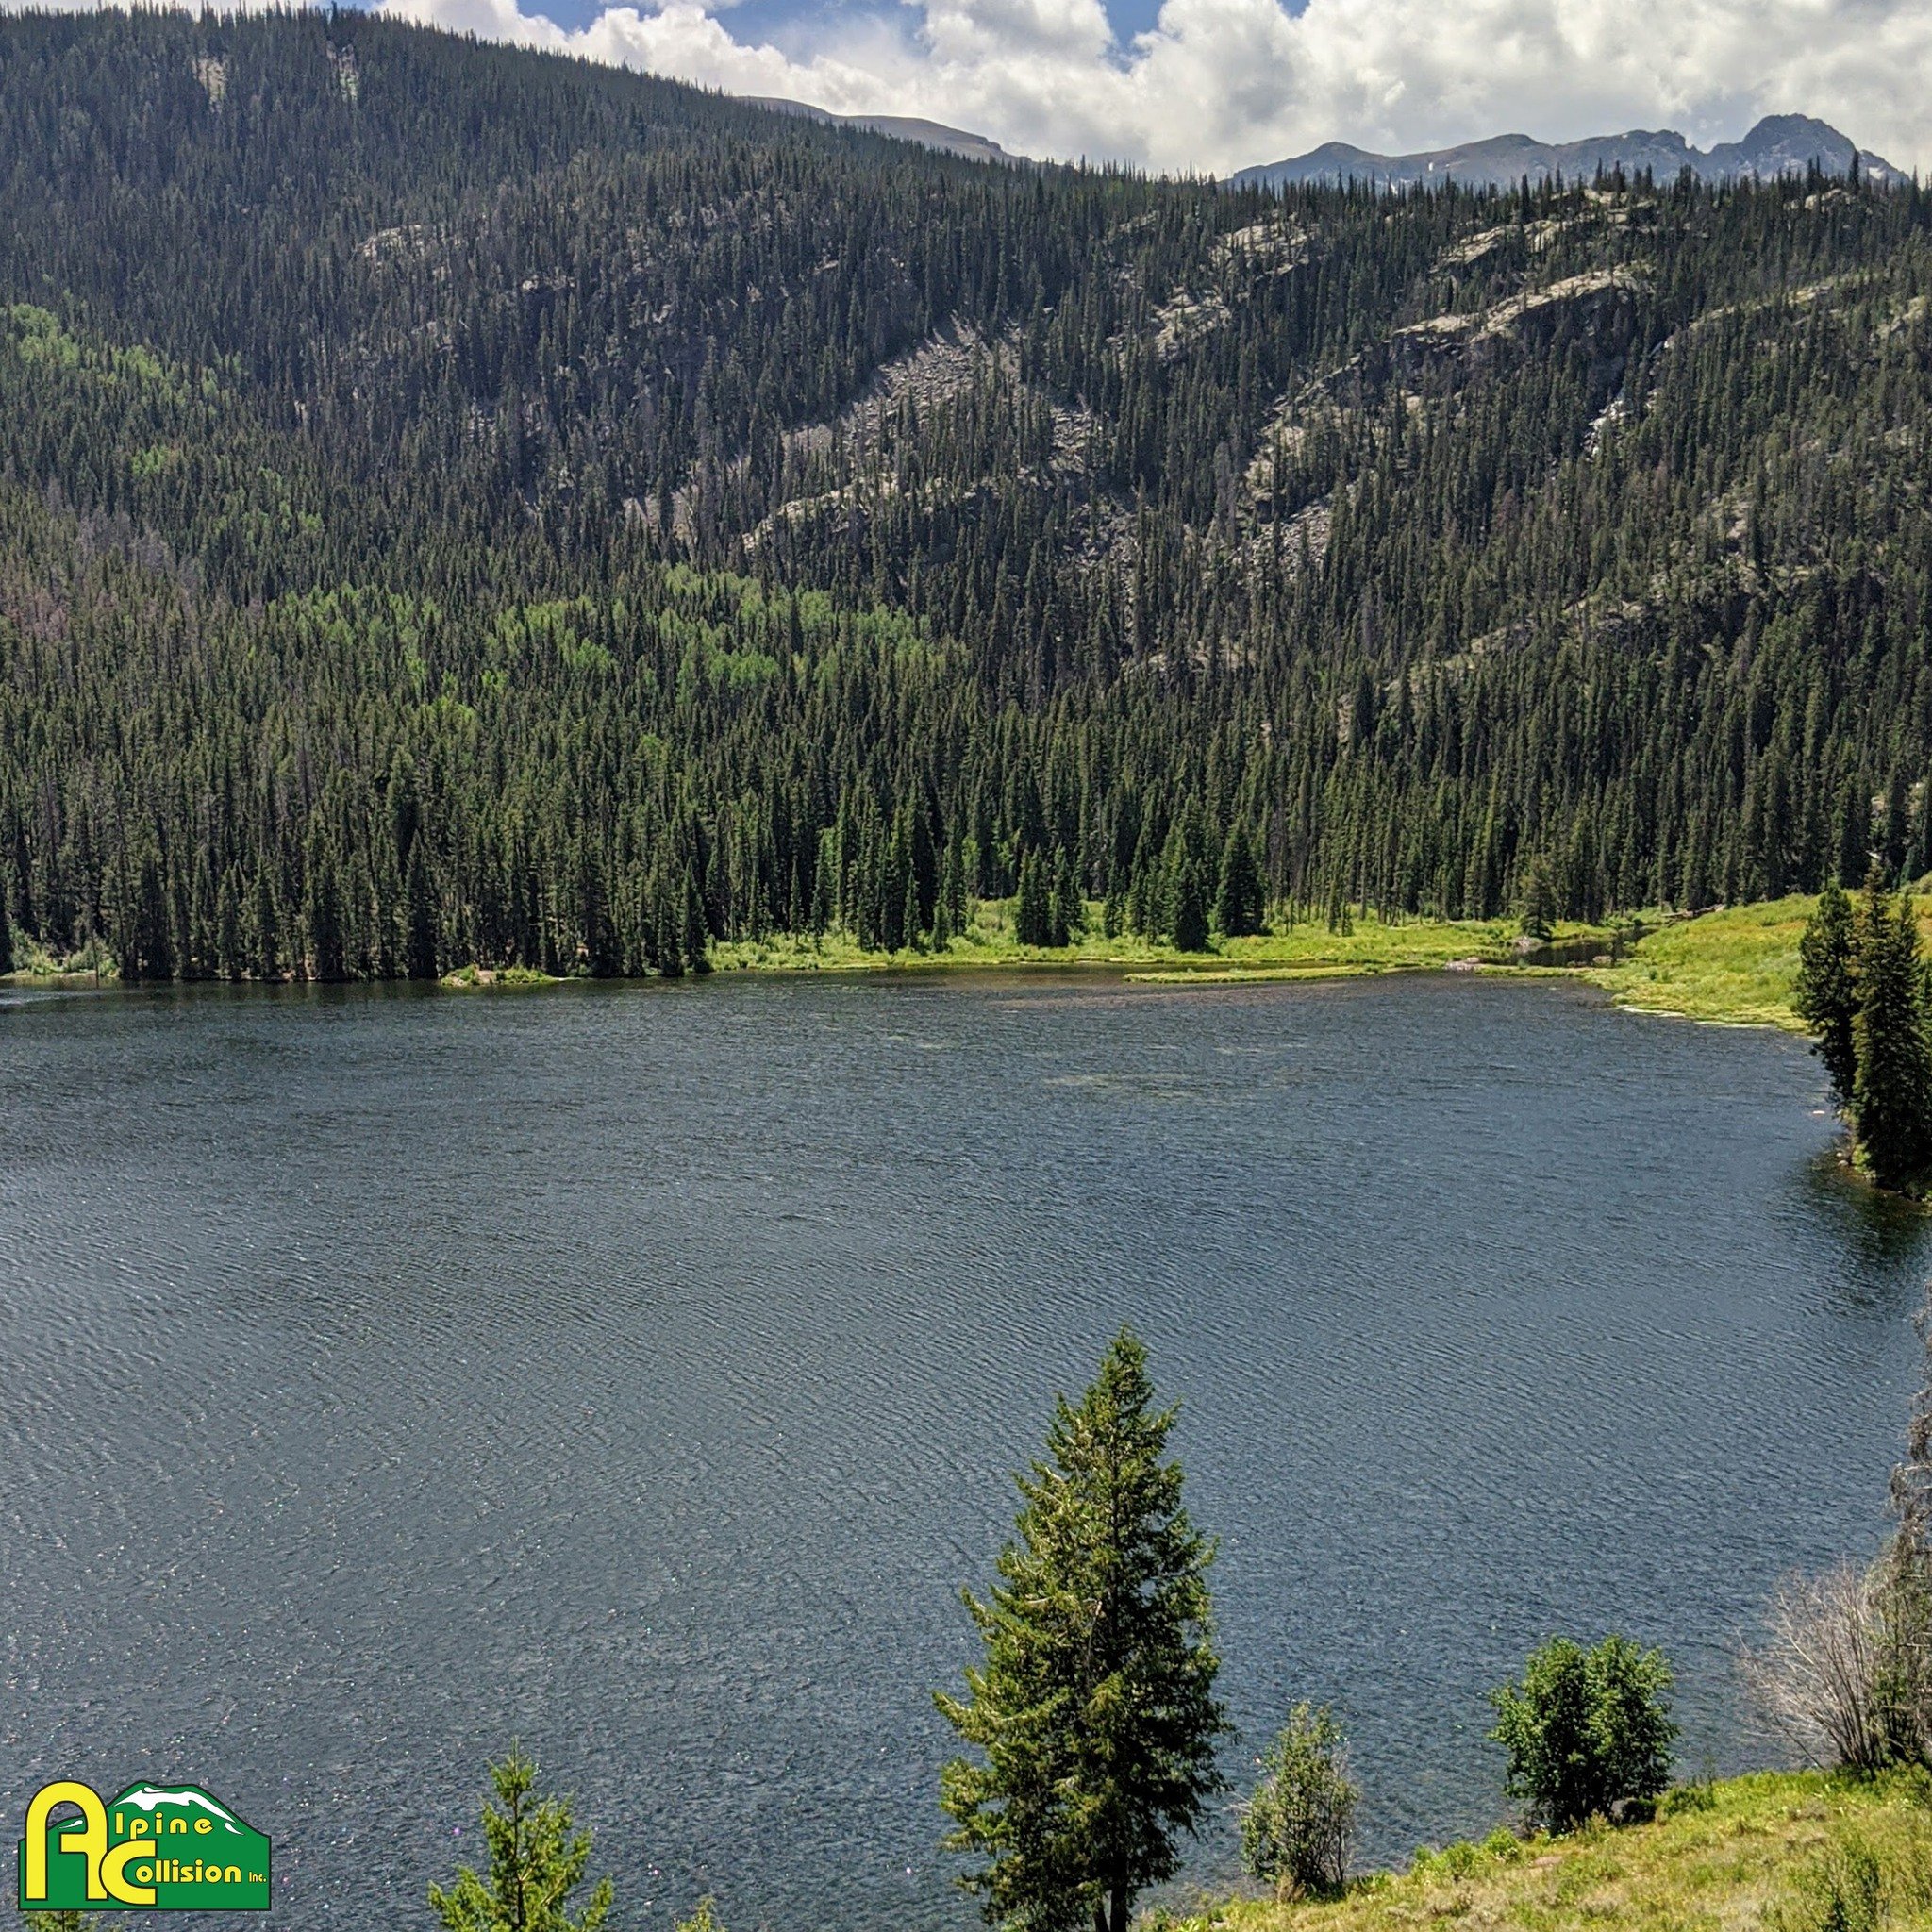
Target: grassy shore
{"x": 1299, "y": 951}
{"x": 1733, "y": 967}
{"x": 1306, "y": 950}
{"x": 1737, "y": 967}
{"x": 1791, "y": 1852}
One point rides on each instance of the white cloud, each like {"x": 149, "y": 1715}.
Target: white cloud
{"x": 1220, "y": 83}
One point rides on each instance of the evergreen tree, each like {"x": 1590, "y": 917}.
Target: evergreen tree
{"x": 538, "y": 1860}
{"x": 1539, "y": 899}
{"x": 419, "y": 944}
{"x": 909, "y": 912}
{"x": 149, "y": 951}
{"x": 697, "y": 935}
{"x": 1189, "y": 901}
{"x": 265, "y": 931}
{"x": 1069, "y": 908}
{"x": 1240, "y": 900}
{"x": 1033, "y": 905}
{"x": 1891, "y": 1095}
{"x": 1094, "y": 1715}
{"x": 322, "y": 915}
{"x": 667, "y": 929}
{"x": 1827, "y": 993}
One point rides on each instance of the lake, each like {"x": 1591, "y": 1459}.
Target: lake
{"x": 640, "y": 1372}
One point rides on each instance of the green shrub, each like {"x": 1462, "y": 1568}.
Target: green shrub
{"x": 1297, "y": 1828}
{"x": 1843, "y": 1892}
{"x": 1699, "y": 1796}
{"x": 1588, "y": 1732}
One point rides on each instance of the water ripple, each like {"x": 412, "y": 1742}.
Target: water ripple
{"x": 640, "y": 1372}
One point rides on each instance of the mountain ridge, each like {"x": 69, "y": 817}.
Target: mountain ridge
{"x": 912, "y": 127}
{"x": 1777, "y": 145}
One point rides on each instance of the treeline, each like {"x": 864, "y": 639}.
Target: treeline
{"x": 1864, "y": 988}
{"x": 461, "y": 505}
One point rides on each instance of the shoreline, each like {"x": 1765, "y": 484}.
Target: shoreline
{"x": 1728, "y": 967}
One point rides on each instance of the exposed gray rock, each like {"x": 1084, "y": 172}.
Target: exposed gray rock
{"x": 1780, "y": 144}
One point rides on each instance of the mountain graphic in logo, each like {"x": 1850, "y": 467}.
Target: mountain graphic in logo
{"x": 165, "y": 1848}
{"x": 145, "y": 1798}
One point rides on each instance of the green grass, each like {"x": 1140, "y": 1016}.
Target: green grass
{"x": 473, "y": 978}
{"x": 1303, "y": 951}
{"x": 36, "y": 965}
{"x": 1785, "y": 1851}
{"x": 1735, "y": 967}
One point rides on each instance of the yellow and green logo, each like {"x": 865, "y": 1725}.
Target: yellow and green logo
{"x": 169, "y": 1848}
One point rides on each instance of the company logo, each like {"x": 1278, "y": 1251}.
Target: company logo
{"x": 170, "y": 1848}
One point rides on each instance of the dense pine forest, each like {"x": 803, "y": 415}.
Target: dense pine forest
{"x": 461, "y": 505}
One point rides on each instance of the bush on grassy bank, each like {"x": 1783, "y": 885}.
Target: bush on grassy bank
{"x": 1298, "y": 1828}
{"x": 1588, "y": 1732}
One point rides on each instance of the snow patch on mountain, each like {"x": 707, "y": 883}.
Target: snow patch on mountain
{"x": 145, "y": 1797}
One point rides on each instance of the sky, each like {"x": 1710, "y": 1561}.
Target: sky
{"x": 1214, "y": 85}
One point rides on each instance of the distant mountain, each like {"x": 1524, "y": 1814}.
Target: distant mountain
{"x": 1780, "y": 144}
{"x": 949, "y": 141}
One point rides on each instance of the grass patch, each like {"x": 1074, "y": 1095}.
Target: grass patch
{"x": 1737, "y": 967}
{"x": 1301, "y": 951}
{"x": 1791, "y": 1852}
{"x": 476, "y": 979}
{"x": 35, "y": 964}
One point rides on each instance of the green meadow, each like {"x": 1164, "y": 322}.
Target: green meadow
{"x": 1789, "y": 1852}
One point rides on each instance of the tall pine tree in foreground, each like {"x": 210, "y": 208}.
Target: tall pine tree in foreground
{"x": 1891, "y": 1097}
{"x": 1094, "y": 1715}
{"x": 538, "y": 1860}
{"x": 1827, "y": 995}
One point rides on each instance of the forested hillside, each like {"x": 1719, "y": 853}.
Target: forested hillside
{"x": 458, "y": 504}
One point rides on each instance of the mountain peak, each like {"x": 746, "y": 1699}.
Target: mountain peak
{"x": 1780, "y": 144}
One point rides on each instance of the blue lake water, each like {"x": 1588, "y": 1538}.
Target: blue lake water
{"x": 640, "y": 1372}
